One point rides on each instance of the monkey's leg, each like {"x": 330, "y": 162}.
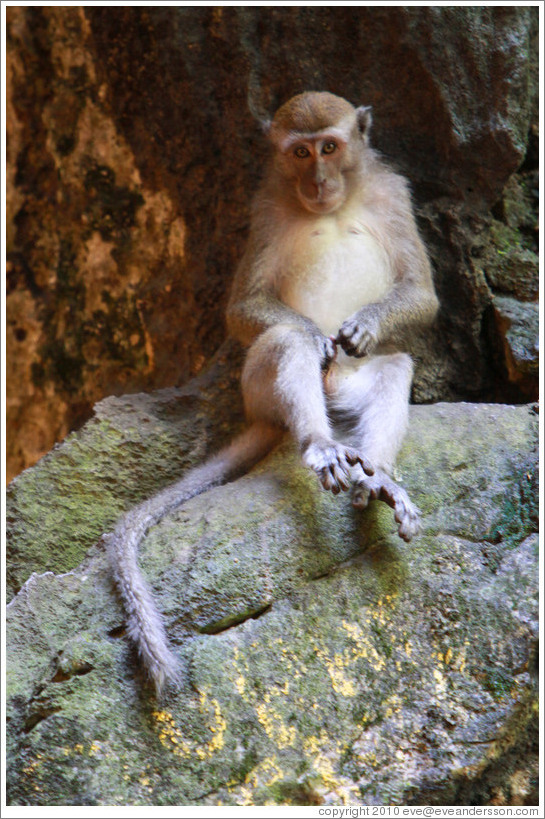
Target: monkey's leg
{"x": 282, "y": 383}
{"x": 377, "y": 396}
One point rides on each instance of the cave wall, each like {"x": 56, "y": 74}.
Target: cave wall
{"x": 134, "y": 148}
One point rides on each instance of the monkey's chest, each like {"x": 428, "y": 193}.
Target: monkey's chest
{"x": 331, "y": 272}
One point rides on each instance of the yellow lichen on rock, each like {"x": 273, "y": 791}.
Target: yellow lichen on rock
{"x": 172, "y": 738}
{"x": 170, "y": 735}
{"x": 324, "y": 754}
{"x": 274, "y": 726}
{"x": 217, "y": 728}
{"x": 363, "y": 646}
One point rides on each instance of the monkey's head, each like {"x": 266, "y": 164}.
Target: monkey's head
{"x": 319, "y": 140}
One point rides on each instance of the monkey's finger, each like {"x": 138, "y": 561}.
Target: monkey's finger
{"x": 336, "y": 469}
{"x": 387, "y": 497}
{"x": 349, "y": 332}
{"x": 342, "y": 471}
{"x": 409, "y": 528}
{"x": 361, "y": 497}
{"x": 349, "y": 348}
{"x": 367, "y": 466}
{"x": 344, "y": 336}
{"x": 342, "y": 479}
{"x": 353, "y": 457}
{"x": 326, "y": 479}
{"x": 333, "y": 478}
{"x": 345, "y": 457}
{"x": 330, "y": 350}
{"x": 365, "y": 347}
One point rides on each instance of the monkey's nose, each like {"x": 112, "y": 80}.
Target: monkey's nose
{"x": 318, "y": 188}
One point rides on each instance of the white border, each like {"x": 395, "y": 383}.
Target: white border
{"x": 236, "y": 812}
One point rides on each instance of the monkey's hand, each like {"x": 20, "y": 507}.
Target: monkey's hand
{"x": 358, "y": 335}
{"x": 332, "y": 461}
{"x": 327, "y": 348}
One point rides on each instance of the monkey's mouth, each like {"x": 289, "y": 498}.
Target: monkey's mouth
{"x": 324, "y": 202}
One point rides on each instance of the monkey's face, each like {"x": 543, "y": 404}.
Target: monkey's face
{"x": 318, "y": 140}
{"x": 317, "y": 166}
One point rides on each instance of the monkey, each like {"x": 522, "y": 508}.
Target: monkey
{"x": 334, "y": 279}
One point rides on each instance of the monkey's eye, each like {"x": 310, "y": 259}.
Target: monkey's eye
{"x": 301, "y": 152}
{"x": 329, "y": 148}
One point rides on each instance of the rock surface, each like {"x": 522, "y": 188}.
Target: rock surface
{"x": 60, "y": 507}
{"x": 133, "y": 153}
{"x": 327, "y": 662}
{"x": 520, "y": 322}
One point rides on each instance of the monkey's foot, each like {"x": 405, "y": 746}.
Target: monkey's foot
{"x": 332, "y": 461}
{"x": 381, "y": 487}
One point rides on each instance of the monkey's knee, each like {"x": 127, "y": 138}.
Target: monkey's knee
{"x": 257, "y": 387}
{"x": 260, "y": 373}
{"x": 279, "y": 361}
{"x": 395, "y": 378}
{"x": 279, "y": 341}
{"x": 274, "y": 350}
{"x": 396, "y": 368}
{"x": 403, "y": 364}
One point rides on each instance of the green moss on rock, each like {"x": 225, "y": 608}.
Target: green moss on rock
{"x": 326, "y": 661}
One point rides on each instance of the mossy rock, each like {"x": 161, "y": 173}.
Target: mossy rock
{"x": 326, "y": 661}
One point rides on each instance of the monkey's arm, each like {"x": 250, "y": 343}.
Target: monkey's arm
{"x": 254, "y": 307}
{"x": 408, "y": 307}
{"x": 411, "y": 303}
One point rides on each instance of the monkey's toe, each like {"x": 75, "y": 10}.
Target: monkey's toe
{"x": 361, "y": 497}
{"x": 381, "y": 487}
{"x": 409, "y": 522}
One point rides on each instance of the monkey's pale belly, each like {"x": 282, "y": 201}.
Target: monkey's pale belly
{"x": 329, "y": 284}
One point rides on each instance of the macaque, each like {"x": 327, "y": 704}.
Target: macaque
{"x": 333, "y": 282}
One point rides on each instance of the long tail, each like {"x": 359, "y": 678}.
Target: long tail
{"x": 144, "y": 625}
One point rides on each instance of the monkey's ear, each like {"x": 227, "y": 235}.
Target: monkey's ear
{"x": 364, "y": 119}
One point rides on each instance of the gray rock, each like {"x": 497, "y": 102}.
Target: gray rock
{"x": 519, "y": 199}
{"x": 519, "y": 323}
{"x": 511, "y": 268}
{"x": 327, "y": 662}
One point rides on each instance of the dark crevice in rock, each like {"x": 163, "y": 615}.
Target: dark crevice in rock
{"x": 63, "y": 676}
{"x": 118, "y": 631}
{"x": 234, "y": 620}
{"x": 34, "y": 719}
{"x": 324, "y": 574}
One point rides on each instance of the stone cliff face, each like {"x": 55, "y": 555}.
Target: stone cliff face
{"x": 134, "y": 150}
